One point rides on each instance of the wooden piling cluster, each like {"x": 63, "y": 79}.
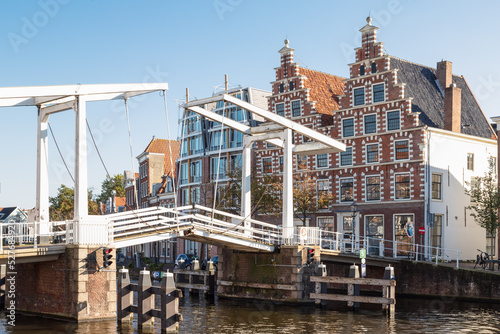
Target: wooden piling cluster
{"x": 388, "y": 299}
{"x": 169, "y": 294}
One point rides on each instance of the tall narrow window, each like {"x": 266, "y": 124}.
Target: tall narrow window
{"x": 296, "y": 109}
{"x": 362, "y": 70}
{"x": 378, "y": 93}
{"x": 348, "y": 127}
{"x": 322, "y": 160}
{"x": 403, "y": 186}
{"x": 280, "y": 109}
{"x": 267, "y": 165}
{"x": 346, "y": 190}
{"x": 282, "y": 88}
{"x": 373, "y": 188}
{"x": 470, "y": 161}
{"x": 492, "y": 164}
{"x": 393, "y": 122}
{"x": 401, "y": 148}
{"x": 359, "y": 96}
{"x": 370, "y": 124}
{"x": 346, "y": 157}
{"x": 372, "y": 153}
{"x": 437, "y": 232}
{"x": 322, "y": 193}
{"x": 301, "y": 161}
{"x": 291, "y": 85}
{"x": 374, "y": 67}
{"x": 436, "y": 186}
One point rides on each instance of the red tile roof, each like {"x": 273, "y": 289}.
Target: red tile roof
{"x": 120, "y": 201}
{"x": 325, "y": 89}
{"x": 165, "y": 146}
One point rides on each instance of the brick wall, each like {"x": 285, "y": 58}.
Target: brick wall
{"x": 69, "y": 287}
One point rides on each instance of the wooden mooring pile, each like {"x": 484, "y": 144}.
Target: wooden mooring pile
{"x": 353, "y": 282}
{"x": 145, "y": 308}
{"x": 196, "y": 280}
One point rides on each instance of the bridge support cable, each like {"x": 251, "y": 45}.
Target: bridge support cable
{"x": 136, "y": 200}
{"x": 172, "y": 167}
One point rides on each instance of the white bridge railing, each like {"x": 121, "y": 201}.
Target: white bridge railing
{"x": 106, "y": 229}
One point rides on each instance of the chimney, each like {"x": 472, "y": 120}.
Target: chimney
{"x": 444, "y": 74}
{"x": 453, "y": 109}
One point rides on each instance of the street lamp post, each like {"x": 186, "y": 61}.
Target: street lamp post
{"x": 353, "y": 215}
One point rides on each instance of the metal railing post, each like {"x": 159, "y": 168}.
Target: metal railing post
{"x": 458, "y": 255}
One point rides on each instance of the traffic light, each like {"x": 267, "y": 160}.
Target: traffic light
{"x": 310, "y": 255}
{"x": 106, "y": 257}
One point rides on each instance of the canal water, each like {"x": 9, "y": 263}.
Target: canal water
{"x": 201, "y": 315}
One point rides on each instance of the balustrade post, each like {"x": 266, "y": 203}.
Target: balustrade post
{"x": 125, "y": 296}
{"x": 170, "y": 316}
{"x": 145, "y": 299}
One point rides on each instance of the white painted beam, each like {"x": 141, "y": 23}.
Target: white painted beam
{"x": 245, "y": 129}
{"x": 313, "y": 148}
{"x": 81, "y": 209}
{"x": 36, "y": 95}
{"x": 42, "y": 175}
{"x": 302, "y": 129}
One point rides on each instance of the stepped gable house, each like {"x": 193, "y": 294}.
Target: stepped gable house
{"x": 415, "y": 138}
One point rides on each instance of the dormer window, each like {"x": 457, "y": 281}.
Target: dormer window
{"x": 362, "y": 70}
{"x": 374, "y": 68}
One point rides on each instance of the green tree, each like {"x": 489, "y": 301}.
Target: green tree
{"x": 108, "y": 185}
{"x": 265, "y": 191}
{"x": 306, "y": 197}
{"x": 485, "y": 201}
{"x": 62, "y": 205}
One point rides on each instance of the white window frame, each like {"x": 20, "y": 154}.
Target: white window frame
{"x": 366, "y": 188}
{"x": 340, "y": 189}
{"x": 378, "y": 153}
{"x": 373, "y": 92}
{"x": 409, "y": 187}
{"x": 395, "y": 151}
{"x": 353, "y": 127}
{"x": 276, "y": 108}
{"x": 352, "y": 157}
{"x": 364, "y": 124}
{"x": 327, "y": 161}
{"x": 387, "y": 119}
{"x": 291, "y": 108}
{"x": 354, "y": 96}
{"x": 263, "y": 169}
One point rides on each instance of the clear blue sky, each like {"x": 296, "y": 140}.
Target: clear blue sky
{"x": 193, "y": 44}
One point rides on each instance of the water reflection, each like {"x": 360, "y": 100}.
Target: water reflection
{"x": 228, "y": 316}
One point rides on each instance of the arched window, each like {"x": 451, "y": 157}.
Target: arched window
{"x": 362, "y": 70}
{"x": 282, "y": 88}
{"x": 374, "y": 68}
{"x": 291, "y": 85}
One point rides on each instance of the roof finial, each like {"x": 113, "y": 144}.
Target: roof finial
{"x": 369, "y": 20}
{"x": 286, "y": 42}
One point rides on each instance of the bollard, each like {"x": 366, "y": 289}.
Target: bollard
{"x": 210, "y": 266}
{"x": 353, "y": 289}
{"x": 320, "y": 287}
{"x": 145, "y": 299}
{"x": 170, "y": 316}
{"x": 195, "y": 265}
{"x": 125, "y": 296}
{"x": 389, "y": 291}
